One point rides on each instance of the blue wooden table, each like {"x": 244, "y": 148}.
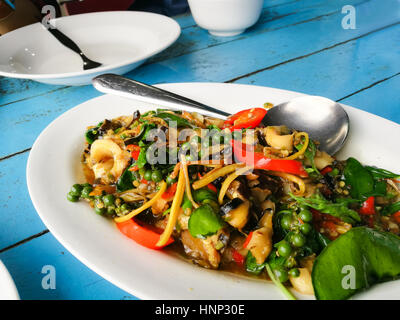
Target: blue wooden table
{"x": 296, "y": 45}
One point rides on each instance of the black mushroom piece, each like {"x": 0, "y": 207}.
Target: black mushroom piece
{"x": 137, "y": 138}
{"x": 218, "y": 182}
{"x": 273, "y": 184}
{"x": 261, "y": 138}
{"x": 236, "y": 212}
{"x": 135, "y": 116}
{"x": 108, "y": 125}
{"x": 238, "y": 189}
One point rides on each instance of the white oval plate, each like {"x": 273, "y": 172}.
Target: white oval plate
{"x": 149, "y": 274}
{"x": 120, "y": 40}
{"x": 8, "y": 291}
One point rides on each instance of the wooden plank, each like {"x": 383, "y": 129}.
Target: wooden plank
{"x": 382, "y": 99}
{"x": 28, "y": 118}
{"x": 340, "y": 71}
{"x": 37, "y": 112}
{"x": 278, "y": 14}
{"x": 18, "y": 218}
{"x": 272, "y": 18}
{"x": 73, "y": 279}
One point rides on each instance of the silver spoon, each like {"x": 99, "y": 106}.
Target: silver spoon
{"x": 323, "y": 119}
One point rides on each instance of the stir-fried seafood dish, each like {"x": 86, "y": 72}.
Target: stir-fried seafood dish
{"x": 230, "y": 194}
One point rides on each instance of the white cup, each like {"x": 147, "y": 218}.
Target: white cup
{"x": 225, "y": 18}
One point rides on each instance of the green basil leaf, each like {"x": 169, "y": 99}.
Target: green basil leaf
{"x": 202, "y": 194}
{"x": 142, "y": 160}
{"x": 186, "y": 203}
{"x": 92, "y": 134}
{"x": 355, "y": 261}
{"x": 358, "y": 178}
{"x": 276, "y": 262}
{"x": 310, "y": 155}
{"x": 339, "y": 209}
{"x": 204, "y": 222}
{"x": 125, "y": 180}
{"x": 379, "y": 189}
{"x": 391, "y": 208}
{"x": 252, "y": 266}
{"x": 378, "y": 173}
{"x": 181, "y": 122}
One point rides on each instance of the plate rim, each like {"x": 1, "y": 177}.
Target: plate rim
{"x": 106, "y": 68}
{"x": 139, "y": 292}
{"x": 12, "y": 288}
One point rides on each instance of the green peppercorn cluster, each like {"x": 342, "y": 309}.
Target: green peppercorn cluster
{"x": 297, "y": 226}
{"x": 104, "y": 204}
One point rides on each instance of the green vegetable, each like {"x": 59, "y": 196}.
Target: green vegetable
{"x": 204, "y": 222}
{"x": 202, "y": 194}
{"x": 276, "y": 263}
{"x": 186, "y": 203}
{"x": 365, "y": 182}
{"x": 170, "y": 180}
{"x": 297, "y": 240}
{"x": 367, "y": 255}
{"x": 286, "y": 222}
{"x": 284, "y": 290}
{"x": 214, "y": 204}
{"x": 391, "y": 208}
{"x": 71, "y": 197}
{"x": 142, "y": 160}
{"x": 339, "y": 210}
{"x": 76, "y": 190}
{"x": 124, "y": 208}
{"x": 142, "y": 134}
{"x": 334, "y": 172}
{"x": 108, "y": 200}
{"x": 323, "y": 240}
{"x": 294, "y": 272}
{"x": 181, "y": 122}
{"x": 310, "y": 155}
{"x": 379, "y": 189}
{"x": 378, "y": 173}
{"x": 281, "y": 274}
{"x": 359, "y": 179}
{"x": 110, "y": 210}
{"x": 305, "y": 215}
{"x": 305, "y": 228}
{"x": 156, "y": 176}
{"x": 251, "y": 264}
{"x": 315, "y": 243}
{"x": 99, "y": 207}
{"x": 125, "y": 180}
{"x": 147, "y": 175}
{"x": 92, "y": 134}
{"x": 86, "y": 191}
{"x": 284, "y": 248}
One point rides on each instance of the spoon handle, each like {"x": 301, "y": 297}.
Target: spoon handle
{"x": 66, "y": 41}
{"x": 121, "y": 86}
{"x": 70, "y": 44}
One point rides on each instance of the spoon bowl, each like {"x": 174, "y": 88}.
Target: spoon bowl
{"x": 323, "y": 119}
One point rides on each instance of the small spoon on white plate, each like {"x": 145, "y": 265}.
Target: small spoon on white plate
{"x": 323, "y": 119}
{"x": 70, "y": 44}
